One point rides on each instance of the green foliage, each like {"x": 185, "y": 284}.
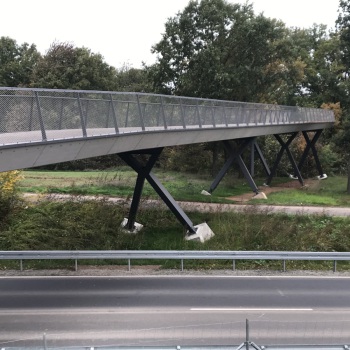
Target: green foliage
{"x": 67, "y": 67}
{"x": 16, "y": 62}
{"x": 93, "y": 225}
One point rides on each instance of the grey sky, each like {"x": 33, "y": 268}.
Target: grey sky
{"x": 123, "y": 31}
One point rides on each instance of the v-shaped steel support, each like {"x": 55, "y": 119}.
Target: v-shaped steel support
{"x": 285, "y": 147}
{"x": 144, "y": 173}
{"x": 235, "y": 156}
{"x": 310, "y": 144}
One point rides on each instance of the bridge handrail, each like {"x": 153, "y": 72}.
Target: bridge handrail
{"x": 52, "y": 114}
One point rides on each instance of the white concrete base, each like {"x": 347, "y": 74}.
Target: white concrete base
{"x": 205, "y": 193}
{"x": 260, "y": 195}
{"x": 138, "y": 227}
{"x": 323, "y": 177}
{"x": 203, "y": 233}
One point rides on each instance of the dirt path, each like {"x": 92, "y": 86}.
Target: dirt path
{"x": 276, "y": 188}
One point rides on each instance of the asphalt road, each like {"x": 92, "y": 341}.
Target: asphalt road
{"x": 173, "y": 310}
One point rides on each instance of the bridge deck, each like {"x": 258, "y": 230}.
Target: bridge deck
{"x": 39, "y": 127}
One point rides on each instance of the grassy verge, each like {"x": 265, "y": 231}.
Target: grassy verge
{"x": 95, "y": 226}
{"x": 186, "y": 187}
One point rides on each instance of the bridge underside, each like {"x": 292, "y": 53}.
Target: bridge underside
{"x": 25, "y": 154}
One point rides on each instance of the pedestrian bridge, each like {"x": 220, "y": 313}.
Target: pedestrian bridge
{"x": 42, "y": 126}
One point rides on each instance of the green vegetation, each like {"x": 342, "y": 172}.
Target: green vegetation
{"x": 88, "y": 225}
{"x": 185, "y": 187}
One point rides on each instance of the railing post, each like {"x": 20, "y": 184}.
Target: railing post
{"x": 182, "y": 265}
{"x": 233, "y": 265}
{"x": 129, "y": 265}
{"x": 82, "y": 120}
{"x": 41, "y": 122}
{"x": 21, "y": 265}
{"x": 76, "y": 265}
{"x": 182, "y": 114}
{"x": 213, "y": 115}
{"x": 284, "y": 266}
{"x": 44, "y": 341}
{"x": 335, "y": 266}
{"x": 140, "y": 113}
{"x": 114, "y": 116}
{"x": 247, "y": 334}
{"x": 163, "y": 113}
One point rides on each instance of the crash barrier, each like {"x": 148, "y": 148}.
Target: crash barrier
{"x": 130, "y": 255}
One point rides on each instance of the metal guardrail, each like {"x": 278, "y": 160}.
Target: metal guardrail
{"x": 173, "y": 255}
{"x": 55, "y": 114}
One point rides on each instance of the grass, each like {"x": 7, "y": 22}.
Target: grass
{"x": 183, "y": 187}
{"x": 120, "y": 183}
{"x": 91, "y": 225}
{"x": 329, "y": 192}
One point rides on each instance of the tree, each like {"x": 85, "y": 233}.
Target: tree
{"x": 133, "y": 80}
{"x": 67, "y": 67}
{"x": 16, "y": 62}
{"x": 216, "y": 49}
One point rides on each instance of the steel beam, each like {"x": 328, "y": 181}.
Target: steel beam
{"x": 144, "y": 173}
{"x": 235, "y": 156}
{"x": 310, "y": 144}
{"x": 285, "y": 147}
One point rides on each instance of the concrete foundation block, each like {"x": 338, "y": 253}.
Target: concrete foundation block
{"x": 260, "y": 195}
{"x": 137, "y": 227}
{"x": 203, "y": 233}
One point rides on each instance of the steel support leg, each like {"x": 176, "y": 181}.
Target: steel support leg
{"x": 262, "y": 159}
{"x": 285, "y": 147}
{"x": 144, "y": 173}
{"x": 310, "y": 144}
{"x": 235, "y": 156}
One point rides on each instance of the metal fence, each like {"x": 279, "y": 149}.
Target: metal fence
{"x": 130, "y": 255}
{"x": 61, "y": 114}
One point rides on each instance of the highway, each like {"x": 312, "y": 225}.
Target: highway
{"x": 173, "y": 310}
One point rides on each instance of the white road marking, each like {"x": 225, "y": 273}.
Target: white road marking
{"x": 250, "y": 309}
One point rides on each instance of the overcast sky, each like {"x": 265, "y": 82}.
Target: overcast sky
{"x": 123, "y": 31}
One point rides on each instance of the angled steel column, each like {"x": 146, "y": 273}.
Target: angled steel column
{"x": 255, "y": 147}
{"x": 144, "y": 173}
{"x": 235, "y": 156}
{"x": 285, "y": 147}
{"x": 262, "y": 158}
{"x": 310, "y": 144}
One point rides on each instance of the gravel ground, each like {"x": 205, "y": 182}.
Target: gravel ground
{"x": 151, "y": 270}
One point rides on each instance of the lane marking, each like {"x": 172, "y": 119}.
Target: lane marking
{"x": 251, "y": 309}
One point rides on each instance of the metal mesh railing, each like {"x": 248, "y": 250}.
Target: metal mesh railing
{"x": 35, "y": 115}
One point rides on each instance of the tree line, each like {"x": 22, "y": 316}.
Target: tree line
{"x": 213, "y": 49}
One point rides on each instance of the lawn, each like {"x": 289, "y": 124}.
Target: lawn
{"x": 185, "y": 187}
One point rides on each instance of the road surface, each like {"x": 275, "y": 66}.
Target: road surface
{"x": 161, "y": 310}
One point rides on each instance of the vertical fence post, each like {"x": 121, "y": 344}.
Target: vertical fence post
{"x": 335, "y": 266}
{"x": 76, "y": 265}
{"x": 140, "y": 113}
{"x": 21, "y": 265}
{"x": 129, "y": 264}
{"x": 233, "y": 265}
{"x": 182, "y": 265}
{"x": 44, "y": 341}
{"x": 82, "y": 119}
{"x": 284, "y": 266}
{"x": 41, "y": 122}
{"x": 247, "y": 334}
